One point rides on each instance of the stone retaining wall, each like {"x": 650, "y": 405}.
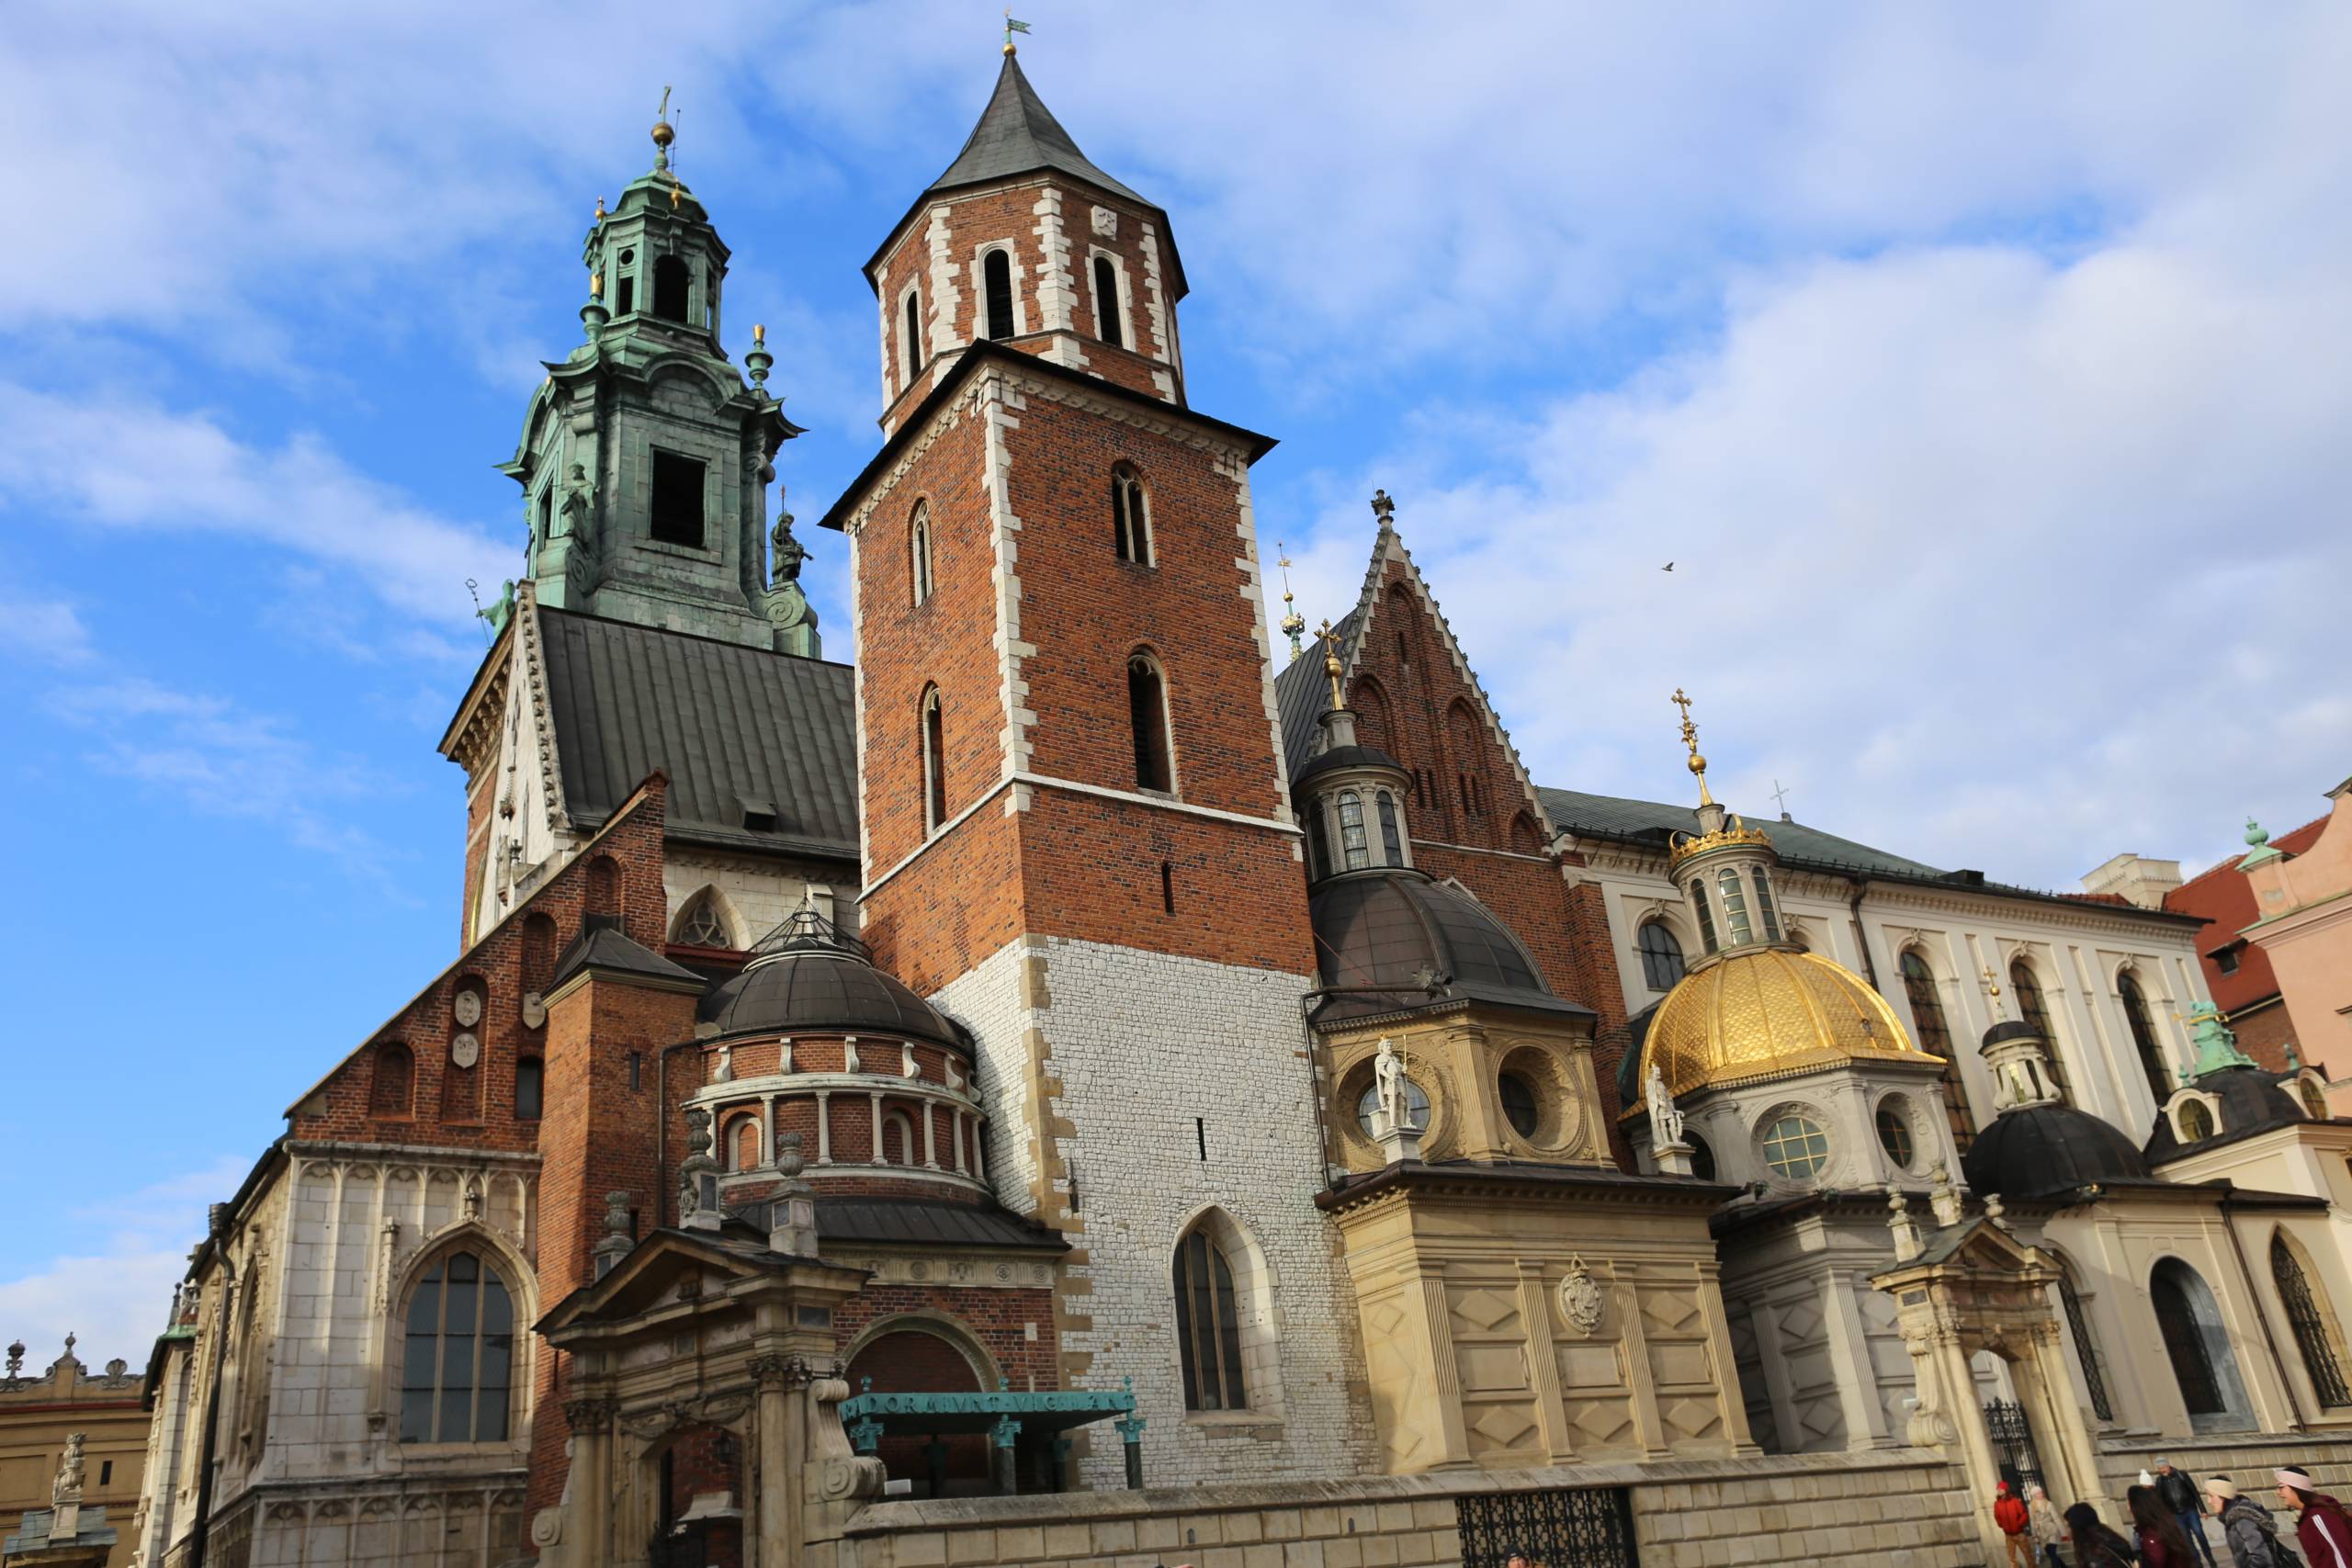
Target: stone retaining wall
{"x": 2247, "y": 1459}
{"x": 1900, "y": 1508}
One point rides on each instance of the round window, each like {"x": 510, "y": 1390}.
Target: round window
{"x": 1795, "y": 1147}
{"x": 1894, "y": 1136}
{"x": 1417, "y": 1106}
{"x": 627, "y": 256}
{"x": 2196, "y": 1122}
{"x": 1518, "y": 1104}
{"x": 2314, "y": 1102}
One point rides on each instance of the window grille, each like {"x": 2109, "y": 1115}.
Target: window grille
{"x": 1559, "y": 1527}
{"x": 2085, "y": 1350}
{"x": 1736, "y": 923}
{"x": 1392, "y": 841}
{"x": 2310, "y": 1325}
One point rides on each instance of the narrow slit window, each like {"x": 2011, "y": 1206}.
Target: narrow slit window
{"x": 625, "y": 290}
{"x": 1392, "y": 838}
{"x": 918, "y": 554}
{"x": 914, "y": 356}
{"x": 1106, "y": 303}
{"x": 1148, "y": 715}
{"x": 1166, "y": 888}
{"x": 935, "y": 764}
{"x": 530, "y": 1081}
{"x": 995, "y": 279}
{"x": 1354, "y": 848}
{"x": 1130, "y": 516}
{"x": 1734, "y": 907}
{"x": 1705, "y": 912}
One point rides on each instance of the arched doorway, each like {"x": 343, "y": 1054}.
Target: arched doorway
{"x": 909, "y": 1359}
{"x": 2198, "y": 1345}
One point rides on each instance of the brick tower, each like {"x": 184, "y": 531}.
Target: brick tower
{"x": 1076, "y": 834}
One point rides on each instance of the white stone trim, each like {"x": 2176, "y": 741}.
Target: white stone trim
{"x": 999, "y": 408}
{"x": 1057, "y": 291}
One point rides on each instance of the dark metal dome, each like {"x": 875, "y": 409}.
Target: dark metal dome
{"x": 809, "y": 977}
{"x": 2043, "y": 1151}
{"x": 1347, "y": 756}
{"x": 1397, "y": 928}
{"x": 2251, "y": 1099}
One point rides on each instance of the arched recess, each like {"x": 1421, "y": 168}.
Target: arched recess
{"x": 1526, "y": 835}
{"x": 403, "y": 1367}
{"x": 2197, "y": 1343}
{"x": 1465, "y": 753}
{"x": 706, "y": 920}
{"x": 1225, "y": 1291}
{"x": 604, "y": 890}
{"x": 2318, "y": 1328}
{"x": 742, "y": 1142}
{"x": 1374, "y": 727}
{"x": 926, "y": 1354}
{"x": 391, "y": 1090}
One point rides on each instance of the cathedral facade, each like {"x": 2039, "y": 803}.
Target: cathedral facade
{"x": 1079, "y": 1068}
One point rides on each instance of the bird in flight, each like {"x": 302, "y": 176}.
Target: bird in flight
{"x": 1667, "y": 567}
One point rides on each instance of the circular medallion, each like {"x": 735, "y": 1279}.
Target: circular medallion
{"x": 535, "y": 1011}
{"x": 465, "y": 1050}
{"x": 468, "y": 1006}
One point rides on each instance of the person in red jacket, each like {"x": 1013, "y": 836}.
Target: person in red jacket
{"x": 2321, "y": 1523}
{"x": 2009, "y": 1513}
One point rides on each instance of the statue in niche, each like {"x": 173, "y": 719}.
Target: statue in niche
{"x": 789, "y": 613}
{"x": 1388, "y": 1077}
{"x": 784, "y": 552}
{"x": 579, "y": 498}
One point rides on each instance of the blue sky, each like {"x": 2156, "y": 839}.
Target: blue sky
{"x": 1982, "y": 368}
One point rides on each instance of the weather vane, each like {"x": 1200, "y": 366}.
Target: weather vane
{"x": 1011, "y": 28}
{"x": 1293, "y": 622}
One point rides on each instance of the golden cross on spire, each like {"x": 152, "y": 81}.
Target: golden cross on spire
{"x": 1293, "y": 622}
{"x": 1697, "y": 764}
{"x": 1332, "y": 668}
{"x": 1993, "y": 987}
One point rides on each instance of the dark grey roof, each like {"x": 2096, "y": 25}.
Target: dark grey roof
{"x": 923, "y": 1222}
{"x": 2043, "y": 1151}
{"x": 1388, "y": 928}
{"x": 1612, "y": 816}
{"x": 601, "y": 946}
{"x": 806, "y": 977}
{"x": 1302, "y": 693}
{"x": 1347, "y": 756}
{"x": 1019, "y": 135}
{"x": 2252, "y": 1102}
{"x": 737, "y": 729}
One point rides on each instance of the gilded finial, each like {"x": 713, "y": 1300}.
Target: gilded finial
{"x": 1697, "y": 764}
{"x": 599, "y": 210}
{"x": 1332, "y": 668}
{"x": 1992, "y": 988}
{"x": 663, "y": 132}
{"x": 1293, "y": 622}
{"x": 759, "y": 334}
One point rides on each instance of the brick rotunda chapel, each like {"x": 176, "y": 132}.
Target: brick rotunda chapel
{"x": 1101, "y": 1079}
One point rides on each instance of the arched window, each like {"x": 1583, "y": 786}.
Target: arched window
{"x": 743, "y": 1139}
{"x": 1147, "y": 716}
{"x": 1661, "y": 955}
{"x": 1765, "y": 912}
{"x": 996, "y": 279}
{"x": 547, "y": 512}
{"x": 1737, "y": 928}
{"x": 1392, "y": 838}
{"x": 393, "y": 1088}
{"x": 1935, "y": 1038}
{"x": 1106, "y": 303}
{"x": 1703, "y": 1157}
{"x": 1353, "y": 846}
{"x": 625, "y": 294}
{"x": 1130, "y": 516}
{"x": 1705, "y": 912}
{"x": 701, "y": 924}
{"x": 671, "y": 282}
{"x": 898, "y": 1140}
{"x": 2198, "y": 1348}
{"x": 1208, "y": 1325}
{"x": 2078, "y": 1321}
{"x": 2310, "y": 1324}
{"x": 530, "y": 1088}
{"x": 918, "y": 553}
{"x": 2025, "y": 985}
{"x": 934, "y": 762}
{"x": 913, "y": 352}
{"x": 2196, "y": 1122}
{"x": 2315, "y": 1102}
{"x": 457, "y": 1357}
{"x": 2143, "y": 1034}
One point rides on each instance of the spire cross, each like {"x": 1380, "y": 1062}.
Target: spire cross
{"x": 1698, "y": 764}
{"x": 1781, "y": 796}
{"x": 1993, "y": 987}
{"x": 1293, "y": 622}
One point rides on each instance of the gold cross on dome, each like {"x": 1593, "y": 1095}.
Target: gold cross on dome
{"x": 1331, "y": 667}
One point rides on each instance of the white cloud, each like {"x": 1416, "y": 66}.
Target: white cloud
{"x": 43, "y": 628}
{"x": 115, "y": 1294}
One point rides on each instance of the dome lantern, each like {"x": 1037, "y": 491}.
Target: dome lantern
{"x": 1350, "y": 798}
{"x": 1725, "y": 869}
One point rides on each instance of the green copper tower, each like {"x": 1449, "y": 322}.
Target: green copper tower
{"x": 646, "y": 454}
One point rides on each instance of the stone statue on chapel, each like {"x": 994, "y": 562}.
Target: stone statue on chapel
{"x": 1388, "y": 1079}
{"x": 784, "y": 552}
{"x": 68, "y": 1487}
{"x": 1666, "y": 1121}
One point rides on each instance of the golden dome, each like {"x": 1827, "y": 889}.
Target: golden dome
{"x": 1764, "y": 1012}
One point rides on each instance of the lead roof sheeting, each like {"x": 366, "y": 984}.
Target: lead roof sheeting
{"x": 1302, "y": 690}
{"x": 922, "y": 1222}
{"x": 1017, "y": 134}
{"x": 727, "y": 723}
{"x": 1573, "y": 811}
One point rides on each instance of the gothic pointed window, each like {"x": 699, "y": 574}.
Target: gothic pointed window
{"x": 1147, "y": 717}
{"x": 1661, "y": 955}
{"x": 1106, "y": 303}
{"x": 911, "y": 351}
{"x": 2309, "y": 1322}
{"x": 677, "y": 498}
{"x": 2143, "y": 1034}
{"x": 1208, "y": 1328}
{"x": 1130, "y": 516}
{"x": 2025, "y": 985}
{"x": 996, "y": 279}
{"x": 918, "y": 553}
{"x": 1935, "y": 1038}
{"x": 2198, "y": 1345}
{"x": 1392, "y": 838}
{"x": 1354, "y": 846}
{"x": 934, "y": 762}
{"x": 458, "y": 1355}
{"x": 672, "y": 282}
{"x": 701, "y": 924}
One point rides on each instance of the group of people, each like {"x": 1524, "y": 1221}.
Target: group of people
{"x": 2169, "y": 1516}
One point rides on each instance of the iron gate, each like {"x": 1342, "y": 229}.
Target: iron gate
{"x": 2005, "y": 1422}
{"x": 1588, "y": 1527}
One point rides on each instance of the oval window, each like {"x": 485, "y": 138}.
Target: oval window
{"x": 1894, "y": 1136}
{"x": 1520, "y": 1107}
{"x": 1795, "y": 1147}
